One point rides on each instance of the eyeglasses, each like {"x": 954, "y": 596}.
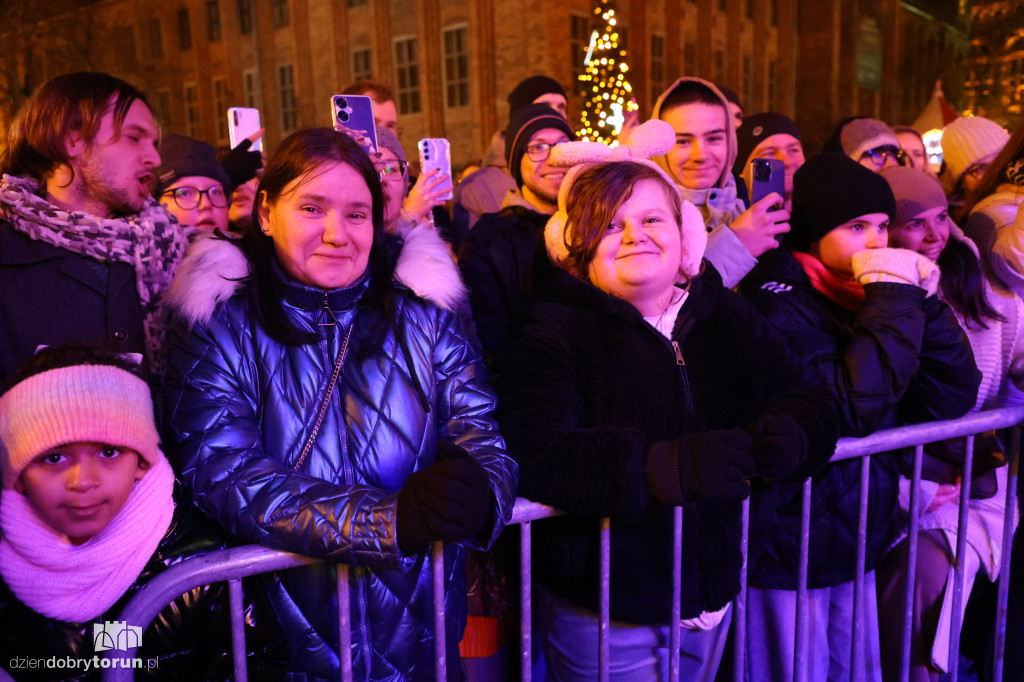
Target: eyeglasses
{"x": 391, "y": 170}
{"x": 879, "y": 155}
{"x": 977, "y": 171}
{"x": 188, "y": 198}
{"x": 541, "y": 151}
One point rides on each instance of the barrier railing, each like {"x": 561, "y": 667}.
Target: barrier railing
{"x": 234, "y": 564}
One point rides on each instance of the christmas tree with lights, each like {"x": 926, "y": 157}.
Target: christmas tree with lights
{"x": 604, "y": 83}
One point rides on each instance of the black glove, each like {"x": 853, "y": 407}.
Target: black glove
{"x": 713, "y": 465}
{"x": 241, "y": 164}
{"x": 780, "y": 446}
{"x": 450, "y": 500}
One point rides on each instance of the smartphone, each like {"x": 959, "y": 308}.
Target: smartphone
{"x": 436, "y": 152}
{"x": 354, "y": 113}
{"x": 243, "y": 122}
{"x": 769, "y": 175}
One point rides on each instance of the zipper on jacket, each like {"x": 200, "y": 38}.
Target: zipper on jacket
{"x": 679, "y": 354}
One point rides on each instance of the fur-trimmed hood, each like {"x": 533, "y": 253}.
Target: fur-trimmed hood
{"x": 215, "y": 269}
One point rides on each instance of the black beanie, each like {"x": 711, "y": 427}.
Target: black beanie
{"x": 182, "y": 156}
{"x": 530, "y": 89}
{"x": 756, "y": 129}
{"x": 522, "y": 124}
{"x": 829, "y": 190}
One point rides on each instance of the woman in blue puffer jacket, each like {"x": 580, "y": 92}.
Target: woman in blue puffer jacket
{"x": 316, "y": 404}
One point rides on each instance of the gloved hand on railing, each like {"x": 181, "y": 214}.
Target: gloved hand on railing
{"x": 780, "y": 446}
{"x": 450, "y": 500}
{"x": 713, "y": 465}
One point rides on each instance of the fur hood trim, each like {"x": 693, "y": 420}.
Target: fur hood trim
{"x": 215, "y": 269}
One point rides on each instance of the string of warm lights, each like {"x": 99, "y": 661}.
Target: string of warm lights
{"x": 604, "y": 81}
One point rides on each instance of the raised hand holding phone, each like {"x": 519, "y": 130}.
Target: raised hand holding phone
{"x": 353, "y": 115}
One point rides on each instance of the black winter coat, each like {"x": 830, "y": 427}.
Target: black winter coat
{"x": 190, "y": 639}
{"x": 50, "y": 296}
{"x": 593, "y": 387}
{"x": 899, "y": 358}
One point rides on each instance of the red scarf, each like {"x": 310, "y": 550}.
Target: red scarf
{"x": 849, "y": 294}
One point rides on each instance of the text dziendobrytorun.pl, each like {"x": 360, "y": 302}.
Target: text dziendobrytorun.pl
{"x": 84, "y": 664}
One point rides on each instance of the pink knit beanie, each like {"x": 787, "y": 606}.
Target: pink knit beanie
{"x": 915, "y": 192}
{"x": 968, "y": 139}
{"x": 81, "y": 403}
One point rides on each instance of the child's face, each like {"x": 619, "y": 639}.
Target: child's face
{"x": 836, "y": 248}
{"x": 78, "y": 488}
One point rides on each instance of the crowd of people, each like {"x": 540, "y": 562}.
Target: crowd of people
{"x": 312, "y": 350}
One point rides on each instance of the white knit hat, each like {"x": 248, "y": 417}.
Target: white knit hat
{"x": 81, "y": 403}
{"x": 968, "y": 139}
{"x": 653, "y": 138}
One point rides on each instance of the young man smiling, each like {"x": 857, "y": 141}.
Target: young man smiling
{"x": 84, "y": 250}
{"x": 501, "y": 254}
{"x": 701, "y": 164}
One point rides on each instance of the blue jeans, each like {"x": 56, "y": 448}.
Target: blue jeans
{"x": 771, "y": 633}
{"x": 637, "y": 653}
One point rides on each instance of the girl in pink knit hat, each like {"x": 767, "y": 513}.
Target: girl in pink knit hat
{"x": 87, "y": 517}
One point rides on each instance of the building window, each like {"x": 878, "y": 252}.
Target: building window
{"x": 245, "y": 16}
{"x": 456, "y": 67}
{"x": 748, "y": 80}
{"x": 184, "y": 30}
{"x": 407, "y": 72}
{"x": 191, "y": 110}
{"x": 771, "y": 84}
{"x": 124, "y": 38}
{"x": 774, "y": 12}
{"x": 579, "y": 43}
{"x": 220, "y": 106}
{"x": 657, "y": 65}
{"x": 280, "y": 13}
{"x": 289, "y": 102}
{"x": 162, "y": 107}
{"x": 723, "y": 5}
{"x": 362, "y": 66}
{"x": 212, "y": 20}
{"x": 251, "y": 91}
{"x": 156, "y": 39}
{"x": 357, "y": 3}
{"x": 719, "y": 66}
{"x": 690, "y": 55}
{"x": 748, "y": 9}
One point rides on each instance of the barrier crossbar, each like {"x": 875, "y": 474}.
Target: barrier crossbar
{"x": 233, "y": 564}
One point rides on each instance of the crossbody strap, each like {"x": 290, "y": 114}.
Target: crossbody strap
{"x": 327, "y": 399}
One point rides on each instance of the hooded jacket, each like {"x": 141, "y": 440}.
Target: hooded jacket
{"x": 994, "y": 226}
{"x": 594, "y": 387}
{"x": 720, "y": 205}
{"x": 240, "y": 407}
{"x": 899, "y": 358}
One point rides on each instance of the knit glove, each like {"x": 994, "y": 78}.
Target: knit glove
{"x": 896, "y": 265}
{"x": 713, "y": 465}
{"x": 780, "y": 446}
{"x": 242, "y": 164}
{"x": 450, "y": 501}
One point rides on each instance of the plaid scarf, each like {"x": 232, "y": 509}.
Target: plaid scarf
{"x": 152, "y": 242}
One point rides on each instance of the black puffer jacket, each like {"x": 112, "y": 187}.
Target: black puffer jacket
{"x": 899, "y": 358}
{"x": 594, "y": 387}
{"x": 190, "y": 639}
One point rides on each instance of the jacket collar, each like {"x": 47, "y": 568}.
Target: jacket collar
{"x": 312, "y": 298}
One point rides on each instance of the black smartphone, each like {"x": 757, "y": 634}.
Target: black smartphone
{"x": 768, "y": 175}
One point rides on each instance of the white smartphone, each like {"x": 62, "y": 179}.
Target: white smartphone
{"x": 243, "y": 122}
{"x": 354, "y": 113}
{"x": 435, "y": 152}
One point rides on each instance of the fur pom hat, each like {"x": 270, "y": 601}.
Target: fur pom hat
{"x": 81, "y": 403}
{"x": 968, "y": 139}
{"x": 653, "y": 138}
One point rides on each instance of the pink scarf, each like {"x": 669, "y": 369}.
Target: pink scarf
{"x": 79, "y": 583}
{"x": 847, "y": 294}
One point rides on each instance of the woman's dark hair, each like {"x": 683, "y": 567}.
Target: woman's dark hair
{"x": 301, "y": 154}
{"x": 73, "y": 102}
{"x": 595, "y": 196}
{"x": 995, "y": 175}
{"x": 57, "y": 357}
{"x": 963, "y": 284}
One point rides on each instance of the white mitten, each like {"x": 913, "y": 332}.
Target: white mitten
{"x": 896, "y": 265}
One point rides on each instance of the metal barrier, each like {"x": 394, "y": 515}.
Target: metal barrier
{"x": 234, "y": 564}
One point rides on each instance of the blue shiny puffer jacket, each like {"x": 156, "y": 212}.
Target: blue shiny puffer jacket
{"x": 240, "y": 407}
